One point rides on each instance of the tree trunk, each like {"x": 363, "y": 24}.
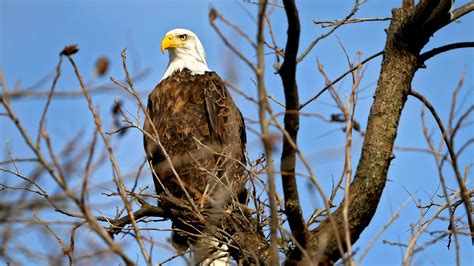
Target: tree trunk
{"x": 409, "y": 31}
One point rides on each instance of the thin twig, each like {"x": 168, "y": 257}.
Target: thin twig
{"x": 118, "y": 176}
{"x": 262, "y": 109}
{"x": 382, "y": 230}
{"x": 48, "y": 101}
{"x": 444, "y": 187}
{"x": 328, "y": 23}
{"x": 338, "y": 79}
{"x": 229, "y": 44}
{"x": 436, "y": 51}
{"x": 154, "y": 135}
{"x": 452, "y": 153}
{"x": 216, "y": 15}
{"x": 408, "y": 252}
{"x": 313, "y": 43}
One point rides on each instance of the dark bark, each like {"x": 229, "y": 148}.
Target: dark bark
{"x": 291, "y": 122}
{"x": 436, "y": 51}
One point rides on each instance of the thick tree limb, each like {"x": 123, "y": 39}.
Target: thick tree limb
{"x": 146, "y": 210}
{"x": 291, "y": 120}
{"x": 461, "y": 11}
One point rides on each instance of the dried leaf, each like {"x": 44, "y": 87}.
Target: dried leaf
{"x": 70, "y": 50}
{"x": 467, "y": 171}
{"x": 274, "y": 140}
{"x": 212, "y": 14}
{"x": 338, "y": 118}
{"x": 117, "y": 107}
{"x": 102, "y": 65}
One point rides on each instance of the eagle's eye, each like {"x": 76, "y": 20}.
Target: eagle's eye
{"x": 183, "y": 37}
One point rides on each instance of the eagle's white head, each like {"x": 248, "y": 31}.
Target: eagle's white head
{"x": 185, "y": 51}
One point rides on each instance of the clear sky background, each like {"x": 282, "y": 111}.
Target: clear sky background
{"x": 32, "y": 33}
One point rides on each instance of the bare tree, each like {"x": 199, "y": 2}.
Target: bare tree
{"x": 271, "y": 227}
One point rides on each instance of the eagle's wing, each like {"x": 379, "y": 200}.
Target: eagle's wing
{"x": 153, "y": 152}
{"x": 227, "y": 128}
{"x": 225, "y": 120}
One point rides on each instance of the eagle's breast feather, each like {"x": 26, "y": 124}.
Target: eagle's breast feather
{"x": 203, "y": 132}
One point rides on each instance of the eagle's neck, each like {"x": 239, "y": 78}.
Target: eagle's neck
{"x": 191, "y": 58}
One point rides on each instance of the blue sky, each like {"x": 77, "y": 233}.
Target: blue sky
{"x": 32, "y": 33}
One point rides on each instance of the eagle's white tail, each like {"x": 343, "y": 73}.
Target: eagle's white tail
{"x": 219, "y": 258}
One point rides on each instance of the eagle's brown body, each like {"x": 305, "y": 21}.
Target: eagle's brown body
{"x": 194, "y": 138}
{"x": 203, "y": 132}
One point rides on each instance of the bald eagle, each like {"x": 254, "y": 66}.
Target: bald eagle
{"x": 201, "y": 129}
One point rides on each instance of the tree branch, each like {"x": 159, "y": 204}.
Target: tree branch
{"x": 448, "y": 142}
{"x": 461, "y": 11}
{"x": 427, "y": 55}
{"x": 291, "y": 120}
{"x": 263, "y": 107}
{"x": 48, "y": 101}
{"x": 146, "y": 210}
{"x": 342, "y": 22}
{"x": 339, "y": 79}
{"x": 235, "y": 227}
{"x": 327, "y": 23}
{"x": 212, "y": 17}
{"x": 117, "y": 176}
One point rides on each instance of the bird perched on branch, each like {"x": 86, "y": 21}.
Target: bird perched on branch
{"x": 194, "y": 135}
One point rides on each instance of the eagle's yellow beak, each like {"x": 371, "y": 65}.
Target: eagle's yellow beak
{"x": 168, "y": 42}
